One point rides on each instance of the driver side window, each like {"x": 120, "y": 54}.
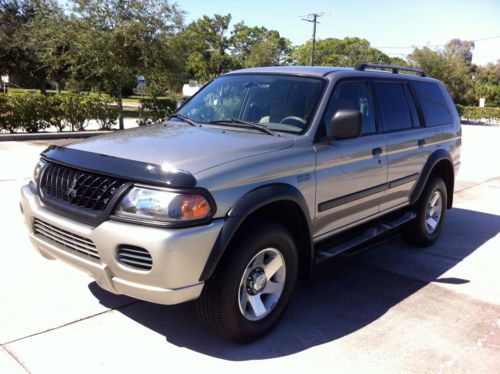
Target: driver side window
{"x": 350, "y": 95}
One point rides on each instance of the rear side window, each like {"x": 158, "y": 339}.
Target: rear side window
{"x": 433, "y": 103}
{"x": 393, "y": 106}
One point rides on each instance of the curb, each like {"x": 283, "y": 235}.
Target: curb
{"x": 48, "y": 136}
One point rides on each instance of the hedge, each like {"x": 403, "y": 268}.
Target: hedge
{"x": 155, "y": 110}
{"x": 36, "y": 112}
{"x": 475, "y": 113}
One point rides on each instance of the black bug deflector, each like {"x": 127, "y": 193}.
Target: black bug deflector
{"x": 131, "y": 170}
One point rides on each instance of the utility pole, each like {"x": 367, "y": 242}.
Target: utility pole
{"x": 313, "y": 17}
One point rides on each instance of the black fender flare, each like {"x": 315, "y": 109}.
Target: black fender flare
{"x": 436, "y": 157}
{"x": 245, "y": 206}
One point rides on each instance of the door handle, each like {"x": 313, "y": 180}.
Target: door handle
{"x": 376, "y": 151}
{"x": 421, "y": 142}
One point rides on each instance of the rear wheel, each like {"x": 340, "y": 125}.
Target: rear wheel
{"x": 251, "y": 288}
{"x": 431, "y": 211}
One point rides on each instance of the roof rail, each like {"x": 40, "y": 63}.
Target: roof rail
{"x": 395, "y": 69}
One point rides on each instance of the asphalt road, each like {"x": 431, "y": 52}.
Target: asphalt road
{"x": 392, "y": 308}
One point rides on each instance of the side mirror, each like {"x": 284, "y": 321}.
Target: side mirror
{"x": 346, "y": 124}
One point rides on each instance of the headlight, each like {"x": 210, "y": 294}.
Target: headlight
{"x": 162, "y": 206}
{"x": 36, "y": 172}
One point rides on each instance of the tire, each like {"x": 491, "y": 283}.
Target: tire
{"x": 222, "y": 306}
{"x": 426, "y": 227}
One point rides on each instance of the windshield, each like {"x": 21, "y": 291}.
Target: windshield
{"x": 278, "y": 102}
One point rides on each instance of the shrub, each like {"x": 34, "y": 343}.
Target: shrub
{"x": 52, "y": 112}
{"x": 76, "y": 110}
{"x": 154, "y": 110}
{"x": 27, "y": 112}
{"x": 104, "y": 111}
{"x": 35, "y": 112}
{"x": 460, "y": 109}
{"x": 475, "y": 114}
{"x": 7, "y": 122}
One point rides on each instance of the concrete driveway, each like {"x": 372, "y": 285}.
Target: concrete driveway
{"x": 392, "y": 308}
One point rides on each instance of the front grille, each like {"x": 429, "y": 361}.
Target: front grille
{"x": 78, "y": 188}
{"x": 73, "y": 243}
{"x": 135, "y": 257}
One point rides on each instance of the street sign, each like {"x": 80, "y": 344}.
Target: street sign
{"x": 141, "y": 79}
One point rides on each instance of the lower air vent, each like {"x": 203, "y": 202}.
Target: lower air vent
{"x": 135, "y": 257}
{"x": 65, "y": 239}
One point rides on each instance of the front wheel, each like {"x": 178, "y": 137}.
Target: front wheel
{"x": 252, "y": 286}
{"x": 431, "y": 211}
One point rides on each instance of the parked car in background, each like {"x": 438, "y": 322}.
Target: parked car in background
{"x": 188, "y": 90}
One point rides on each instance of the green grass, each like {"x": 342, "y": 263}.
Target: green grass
{"x": 131, "y": 104}
{"x": 130, "y": 100}
{"x": 16, "y": 91}
{"x": 130, "y": 112}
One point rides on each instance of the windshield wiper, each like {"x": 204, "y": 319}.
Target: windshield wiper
{"x": 184, "y": 119}
{"x": 241, "y": 122}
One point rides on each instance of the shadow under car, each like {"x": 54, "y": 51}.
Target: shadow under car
{"x": 344, "y": 295}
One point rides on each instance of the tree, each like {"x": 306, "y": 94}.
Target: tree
{"x": 117, "y": 40}
{"x": 340, "y": 52}
{"x": 398, "y": 61}
{"x": 460, "y": 49}
{"x": 257, "y": 46}
{"x": 47, "y": 36}
{"x": 487, "y": 80}
{"x": 451, "y": 69}
{"x": 205, "y": 47}
{"x": 16, "y": 57}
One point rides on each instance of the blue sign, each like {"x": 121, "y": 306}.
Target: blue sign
{"x": 141, "y": 79}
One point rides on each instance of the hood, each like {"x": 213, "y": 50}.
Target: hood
{"x": 176, "y": 145}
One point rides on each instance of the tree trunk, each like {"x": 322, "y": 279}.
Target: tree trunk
{"x": 43, "y": 89}
{"x": 120, "y": 107}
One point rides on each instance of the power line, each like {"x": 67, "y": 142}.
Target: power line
{"x": 313, "y": 17}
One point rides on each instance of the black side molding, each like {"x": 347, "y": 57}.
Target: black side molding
{"x": 130, "y": 170}
{"x": 400, "y": 181}
{"x": 329, "y": 204}
{"x": 248, "y": 204}
{"x": 351, "y": 197}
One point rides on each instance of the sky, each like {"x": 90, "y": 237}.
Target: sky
{"x": 394, "y": 27}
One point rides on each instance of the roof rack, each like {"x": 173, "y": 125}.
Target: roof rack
{"x": 395, "y": 69}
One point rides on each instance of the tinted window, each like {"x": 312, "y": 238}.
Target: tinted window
{"x": 350, "y": 95}
{"x": 433, "y": 103}
{"x": 394, "y": 108}
{"x": 413, "y": 108}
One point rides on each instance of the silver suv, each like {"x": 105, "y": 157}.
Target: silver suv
{"x": 258, "y": 177}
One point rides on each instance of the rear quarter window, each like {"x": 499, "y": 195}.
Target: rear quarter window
{"x": 393, "y": 106}
{"x": 434, "y": 106}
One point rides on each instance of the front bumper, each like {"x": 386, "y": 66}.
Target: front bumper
{"x": 178, "y": 255}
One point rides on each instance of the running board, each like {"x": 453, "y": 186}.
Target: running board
{"x": 371, "y": 233}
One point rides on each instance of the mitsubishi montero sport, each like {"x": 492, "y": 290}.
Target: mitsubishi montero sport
{"x": 258, "y": 177}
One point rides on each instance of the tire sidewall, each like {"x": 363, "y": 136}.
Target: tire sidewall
{"x": 437, "y": 184}
{"x": 273, "y": 236}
